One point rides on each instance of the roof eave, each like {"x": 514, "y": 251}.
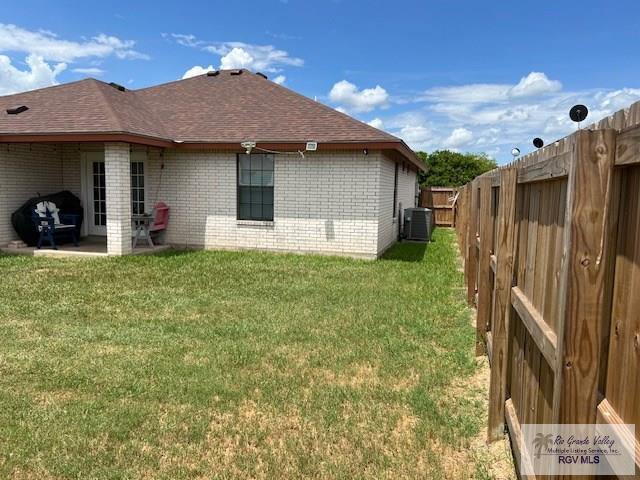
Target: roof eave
{"x": 85, "y": 137}
{"x": 397, "y": 146}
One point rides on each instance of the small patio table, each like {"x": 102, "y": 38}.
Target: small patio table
{"x": 142, "y": 225}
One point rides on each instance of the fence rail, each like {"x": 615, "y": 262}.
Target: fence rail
{"x": 551, "y": 245}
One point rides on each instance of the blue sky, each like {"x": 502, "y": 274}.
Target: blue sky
{"x": 473, "y": 76}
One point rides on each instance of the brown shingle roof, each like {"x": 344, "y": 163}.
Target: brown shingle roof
{"x": 222, "y": 109}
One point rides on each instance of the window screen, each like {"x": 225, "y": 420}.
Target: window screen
{"x": 255, "y": 187}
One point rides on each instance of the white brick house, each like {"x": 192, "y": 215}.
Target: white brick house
{"x": 162, "y": 144}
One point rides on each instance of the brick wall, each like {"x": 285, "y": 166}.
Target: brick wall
{"x": 388, "y": 225}
{"x": 118, "y": 191}
{"x": 324, "y": 203}
{"x": 71, "y": 170}
{"x": 25, "y": 171}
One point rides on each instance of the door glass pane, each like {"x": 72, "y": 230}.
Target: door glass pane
{"x": 99, "y": 194}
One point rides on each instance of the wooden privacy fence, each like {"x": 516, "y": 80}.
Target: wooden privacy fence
{"x": 441, "y": 200}
{"x": 552, "y": 262}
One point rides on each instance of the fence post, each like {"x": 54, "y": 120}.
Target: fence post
{"x": 586, "y": 263}
{"x": 464, "y": 222}
{"x": 505, "y": 254}
{"x": 472, "y": 250}
{"x": 462, "y": 229}
{"x": 484, "y": 264}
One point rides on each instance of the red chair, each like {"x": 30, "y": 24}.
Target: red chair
{"x": 160, "y": 220}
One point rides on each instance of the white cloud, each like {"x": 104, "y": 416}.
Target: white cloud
{"x": 265, "y": 58}
{"x": 416, "y": 134}
{"x": 377, "y": 123}
{"x": 280, "y": 79}
{"x": 464, "y": 94}
{"x": 49, "y": 46}
{"x": 39, "y": 74}
{"x": 618, "y": 99}
{"x": 197, "y": 70}
{"x": 89, "y": 71}
{"x": 458, "y": 138}
{"x": 47, "y": 55}
{"x": 536, "y": 83}
{"x": 236, "y": 58}
{"x": 496, "y": 117}
{"x": 347, "y": 95}
{"x": 185, "y": 40}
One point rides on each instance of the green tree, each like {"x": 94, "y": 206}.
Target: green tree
{"x": 453, "y": 169}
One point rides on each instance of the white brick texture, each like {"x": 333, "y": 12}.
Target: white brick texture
{"x": 322, "y": 203}
{"x": 118, "y": 182}
{"x": 407, "y": 178}
{"x": 325, "y": 203}
{"x": 25, "y": 172}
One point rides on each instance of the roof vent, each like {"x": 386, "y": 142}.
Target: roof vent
{"x": 117, "y": 87}
{"x": 17, "y": 109}
{"x": 213, "y": 73}
{"x": 235, "y": 72}
{"x": 260, "y": 74}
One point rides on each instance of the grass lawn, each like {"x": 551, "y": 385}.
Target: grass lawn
{"x": 236, "y": 365}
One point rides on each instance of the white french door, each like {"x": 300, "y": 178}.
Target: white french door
{"x": 95, "y": 198}
{"x": 94, "y": 191}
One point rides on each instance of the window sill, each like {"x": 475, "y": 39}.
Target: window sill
{"x": 256, "y": 223}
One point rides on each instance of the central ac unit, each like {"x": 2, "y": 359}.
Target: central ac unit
{"x": 418, "y": 224}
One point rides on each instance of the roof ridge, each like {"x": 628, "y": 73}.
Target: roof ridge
{"x": 171, "y": 82}
{"x": 98, "y": 86}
